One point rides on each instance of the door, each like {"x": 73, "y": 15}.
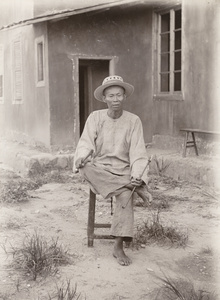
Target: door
{"x": 91, "y": 74}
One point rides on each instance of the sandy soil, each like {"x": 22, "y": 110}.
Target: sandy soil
{"x": 60, "y": 209}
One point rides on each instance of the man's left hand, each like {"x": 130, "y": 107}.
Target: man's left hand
{"x": 136, "y": 181}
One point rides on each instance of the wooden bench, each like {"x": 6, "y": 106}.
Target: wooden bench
{"x": 192, "y": 143}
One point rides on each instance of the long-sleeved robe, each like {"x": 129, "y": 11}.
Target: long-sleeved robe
{"x": 118, "y": 144}
{"x": 119, "y": 154}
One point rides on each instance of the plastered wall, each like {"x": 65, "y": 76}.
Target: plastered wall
{"x": 199, "y": 107}
{"x": 125, "y": 34}
{"x": 27, "y": 121}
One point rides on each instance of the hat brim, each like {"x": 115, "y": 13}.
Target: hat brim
{"x": 98, "y": 93}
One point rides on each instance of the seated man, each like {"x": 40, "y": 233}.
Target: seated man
{"x": 115, "y": 137}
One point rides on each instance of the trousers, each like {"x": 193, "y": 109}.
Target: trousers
{"x": 108, "y": 185}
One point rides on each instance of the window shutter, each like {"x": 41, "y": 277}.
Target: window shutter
{"x": 40, "y": 67}
{"x": 1, "y": 72}
{"x": 18, "y": 82}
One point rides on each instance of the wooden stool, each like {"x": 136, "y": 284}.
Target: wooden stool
{"x": 91, "y": 222}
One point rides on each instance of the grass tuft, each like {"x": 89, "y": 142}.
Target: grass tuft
{"x": 154, "y": 232}
{"x": 5, "y": 296}
{"x": 160, "y": 165}
{"x": 66, "y": 292}
{"x": 175, "y": 289}
{"x": 14, "y": 191}
{"x": 161, "y": 203}
{"x": 54, "y": 176}
{"x": 13, "y": 224}
{"x": 17, "y": 190}
{"x": 207, "y": 251}
{"x": 37, "y": 256}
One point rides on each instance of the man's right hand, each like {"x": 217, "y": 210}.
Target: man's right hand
{"x": 80, "y": 162}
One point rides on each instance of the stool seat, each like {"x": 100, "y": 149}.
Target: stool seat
{"x": 91, "y": 222}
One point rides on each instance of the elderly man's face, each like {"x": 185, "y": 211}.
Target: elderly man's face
{"x": 114, "y": 97}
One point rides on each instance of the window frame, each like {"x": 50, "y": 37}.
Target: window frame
{"x": 38, "y": 41}
{"x": 14, "y": 100}
{"x": 2, "y": 72}
{"x": 170, "y": 95}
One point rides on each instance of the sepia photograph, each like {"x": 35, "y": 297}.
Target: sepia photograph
{"x": 109, "y": 149}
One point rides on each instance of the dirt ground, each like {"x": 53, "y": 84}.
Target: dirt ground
{"x": 59, "y": 209}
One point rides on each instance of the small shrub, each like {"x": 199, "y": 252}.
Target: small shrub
{"x": 65, "y": 292}
{"x": 154, "y": 232}
{"x": 160, "y": 165}
{"x": 156, "y": 204}
{"x": 37, "y": 256}
{"x": 13, "y": 224}
{"x": 5, "y": 296}
{"x": 14, "y": 191}
{"x": 56, "y": 176}
{"x": 174, "y": 289}
{"x": 211, "y": 194}
{"x": 207, "y": 251}
{"x": 17, "y": 190}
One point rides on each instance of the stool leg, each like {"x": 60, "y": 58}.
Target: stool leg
{"x": 194, "y": 141}
{"x": 185, "y": 144}
{"x": 91, "y": 218}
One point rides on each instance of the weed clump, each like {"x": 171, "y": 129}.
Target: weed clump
{"x": 154, "y": 232}
{"x": 160, "y": 165}
{"x": 50, "y": 177}
{"x": 66, "y": 292}
{"x": 16, "y": 191}
{"x": 180, "y": 288}
{"x": 37, "y": 256}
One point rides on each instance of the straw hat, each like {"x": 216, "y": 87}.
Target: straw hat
{"x": 113, "y": 81}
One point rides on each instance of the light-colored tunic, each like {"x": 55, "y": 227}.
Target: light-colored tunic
{"x": 119, "y": 154}
{"x": 118, "y": 144}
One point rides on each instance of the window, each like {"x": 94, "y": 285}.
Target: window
{"x": 40, "y": 62}
{"x": 168, "y": 80}
{"x": 1, "y": 74}
{"x": 17, "y": 72}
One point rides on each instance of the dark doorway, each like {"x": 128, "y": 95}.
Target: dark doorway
{"x": 91, "y": 74}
